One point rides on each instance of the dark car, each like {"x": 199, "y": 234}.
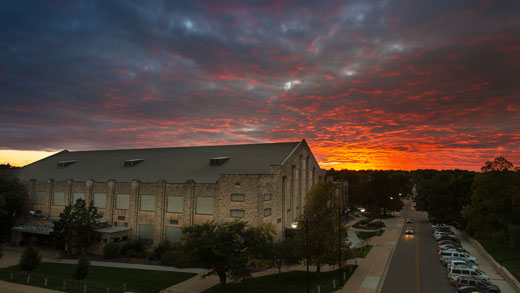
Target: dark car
{"x": 449, "y": 242}
{"x": 453, "y": 239}
{"x": 408, "y": 220}
{"x": 470, "y": 289}
{"x": 478, "y": 283}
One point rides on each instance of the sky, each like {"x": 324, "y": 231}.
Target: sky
{"x": 390, "y": 84}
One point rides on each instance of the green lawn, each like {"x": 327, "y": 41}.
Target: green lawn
{"x": 98, "y": 279}
{"x": 508, "y": 257}
{"x": 365, "y": 234}
{"x": 295, "y": 281}
{"x": 363, "y": 251}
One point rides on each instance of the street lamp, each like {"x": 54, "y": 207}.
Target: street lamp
{"x": 294, "y": 225}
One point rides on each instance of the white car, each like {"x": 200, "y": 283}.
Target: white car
{"x": 456, "y": 272}
{"x": 458, "y": 262}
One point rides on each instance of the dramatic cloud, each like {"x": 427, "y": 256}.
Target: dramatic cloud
{"x": 370, "y": 84}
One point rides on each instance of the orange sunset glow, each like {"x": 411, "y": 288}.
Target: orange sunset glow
{"x": 390, "y": 84}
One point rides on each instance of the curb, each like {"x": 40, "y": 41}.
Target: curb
{"x": 503, "y": 271}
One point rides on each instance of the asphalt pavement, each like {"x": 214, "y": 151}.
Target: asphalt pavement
{"x": 415, "y": 265}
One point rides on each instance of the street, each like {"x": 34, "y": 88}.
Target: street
{"x": 415, "y": 265}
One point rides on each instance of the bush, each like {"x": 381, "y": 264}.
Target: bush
{"x": 135, "y": 245}
{"x": 177, "y": 257}
{"x": 111, "y": 250}
{"x": 162, "y": 248}
{"x": 130, "y": 253}
{"x": 168, "y": 258}
{"x": 81, "y": 270}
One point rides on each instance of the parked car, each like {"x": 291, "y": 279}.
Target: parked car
{"x": 445, "y": 255}
{"x": 440, "y": 226}
{"x": 450, "y": 238}
{"x": 408, "y": 220}
{"x": 451, "y": 246}
{"x": 409, "y": 230}
{"x": 441, "y": 232}
{"x": 456, "y": 272}
{"x": 478, "y": 283}
{"x": 442, "y": 242}
{"x": 460, "y": 262}
{"x": 470, "y": 289}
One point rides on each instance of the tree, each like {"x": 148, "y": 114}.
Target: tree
{"x": 499, "y": 164}
{"x": 76, "y": 227}
{"x": 284, "y": 254}
{"x": 495, "y": 206}
{"x": 226, "y": 248}
{"x": 30, "y": 259}
{"x": 12, "y": 199}
{"x": 81, "y": 270}
{"x": 382, "y": 192}
{"x": 320, "y": 219}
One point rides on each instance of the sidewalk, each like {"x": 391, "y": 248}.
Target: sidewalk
{"x": 369, "y": 275}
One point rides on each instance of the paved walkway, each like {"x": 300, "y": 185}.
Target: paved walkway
{"x": 370, "y": 274}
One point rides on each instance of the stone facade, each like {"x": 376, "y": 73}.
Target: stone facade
{"x": 164, "y": 207}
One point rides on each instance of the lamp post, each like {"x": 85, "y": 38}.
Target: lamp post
{"x": 339, "y": 244}
{"x": 294, "y": 225}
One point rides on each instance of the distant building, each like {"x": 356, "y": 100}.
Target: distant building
{"x": 152, "y": 193}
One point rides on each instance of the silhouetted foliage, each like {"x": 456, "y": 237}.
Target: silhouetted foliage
{"x": 498, "y": 164}
{"x": 81, "y": 269}
{"x": 30, "y": 259}
{"x": 12, "y": 199}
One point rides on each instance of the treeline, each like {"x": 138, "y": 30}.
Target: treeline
{"x": 485, "y": 204}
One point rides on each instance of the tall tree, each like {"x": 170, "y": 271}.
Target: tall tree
{"x": 495, "y": 206}
{"x": 226, "y": 248}
{"x": 498, "y": 164}
{"x": 320, "y": 220}
{"x": 284, "y": 254}
{"x": 382, "y": 192}
{"x": 12, "y": 199}
{"x": 81, "y": 269}
{"x": 76, "y": 227}
{"x": 30, "y": 259}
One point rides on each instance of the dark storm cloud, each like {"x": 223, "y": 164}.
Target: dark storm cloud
{"x": 363, "y": 81}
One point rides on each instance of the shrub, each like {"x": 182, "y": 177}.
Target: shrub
{"x": 135, "y": 245}
{"x": 168, "y": 258}
{"x": 130, "y": 253}
{"x": 162, "y": 248}
{"x": 111, "y": 250}
{"x": 81, "y": 270}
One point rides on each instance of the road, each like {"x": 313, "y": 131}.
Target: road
{"x": 415, "y": 265}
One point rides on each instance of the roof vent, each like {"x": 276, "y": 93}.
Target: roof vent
{"x": 218, "y": 161}
{"x": 63, "y": 164}
{"x": 133, "y": 162}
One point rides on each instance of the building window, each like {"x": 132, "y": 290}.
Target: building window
{"x": 122, "y": 201}
{"x": 238, "y": 197}
{"x": 204, "y": 205}
{"x": 173, "y": 234}
{"x": 238, "y": 213}
{"x": 174, "y": 222}
{"x": 148, "y": 203}
{"x": 100, "y": 200}
{"x": 39, "y": 197}
{"x": 77, "y": 195}
{"x": 59, "y": 199}
{"x": 145, "y": 231}
{"x": 267, "y": 197}
{"x": 175, "y": 204}
{"x": 267, "y": 212}
{"x": 278, "y": 220}
{"x": 237, "y": 184}
{"x": 120, "y": 218}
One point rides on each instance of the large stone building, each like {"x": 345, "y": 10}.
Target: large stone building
{"x": 152, "y": 193}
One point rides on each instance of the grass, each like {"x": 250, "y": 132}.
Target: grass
{"x": 365, "y": 234}
{"x": 295, "y": 281}
{"x": 363, "y": 251}
{"x": 508, "y": 257}
{"x": 98, "y": 278}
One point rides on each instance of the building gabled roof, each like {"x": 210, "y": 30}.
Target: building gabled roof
{"x": 175, "y": 165}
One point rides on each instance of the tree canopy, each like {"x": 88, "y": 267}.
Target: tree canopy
{"x": 226, "y": 248}
{"x": 12, "y": 199}
{"x": 77, "y": 226}
{"x": 498, "y": 164}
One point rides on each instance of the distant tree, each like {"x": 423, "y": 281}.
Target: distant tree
{"x": 284, "y": 254}
{"x": 382, "y": 192}
{"x": 443, "y": 194}
{"x": 499, "y": 164}
{"x": 226, "y": 248}
{"x": 495, "y": 206}
{"x": 320, "y": 219}
{"x": 81, "y": 269}
{"x": 30, "y": 259}
{"x": 77, "y": 226}
{"x": 12, "y": 199}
